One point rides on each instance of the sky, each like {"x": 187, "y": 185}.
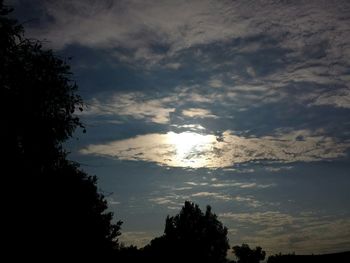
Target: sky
{"x": 241, "y": 105}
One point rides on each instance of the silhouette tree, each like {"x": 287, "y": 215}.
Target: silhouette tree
{"x": 38, "y": 96}
{"x": 130, "y": 254}
{"x": 247, "y": 255}
{"x": 53, "y": 207}
{"x": 191, "y": 236}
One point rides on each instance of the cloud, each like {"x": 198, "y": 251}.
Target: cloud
{"x": 278, "y": 169}
{"x": 247, "y": 200}
{"x": 196, "y": 184}
{"x": 257, "y": 42}
{"x": 228, "y": 184}
{"x": 198, "y": 113}
{"x": 175, "y": 102}
{"x": 151, "y": 108}
{"x": 182, "y": 188}
{"x": 112, "y": 201}
{"x": 191, "y": 127}
{"x": 215, "y": 83}
{"x": 170, "y": 200}
{"x": 189, "y": 149}
{"x": 136, "y": 238}
{"x": 268, "y": 218}
{"x": 303, "y": 233}
{"x": 177, "y": 26}
{"x": 224, "y": 184}
{"x": 251, "y": 185}
{"x": 339, "y": 98}
{"x": 163, "y": 200}
{"x": 240, "y": 170}
{"x": 174, "y": 65}
{"x": 173, "y": 200}
{"x": 134, "y": 105}
{"x": 140, "y": 26}
{"x": 217, "y": 196}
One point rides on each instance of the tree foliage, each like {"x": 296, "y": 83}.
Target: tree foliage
{"x": 191, "y": 236}
{"x": 247, "y": 255}
{"x": 38, "y": 96}
{"x": 53, "y": 207}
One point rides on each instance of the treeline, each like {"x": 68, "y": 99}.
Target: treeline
{"x": 52, "y": 210}
{"x": 191, "y": 236}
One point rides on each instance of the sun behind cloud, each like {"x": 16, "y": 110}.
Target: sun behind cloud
{"x": 189, "y": 147}
{"x": 196, "y": 150}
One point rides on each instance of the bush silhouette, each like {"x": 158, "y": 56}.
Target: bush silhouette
{"x": 247, "y": 255}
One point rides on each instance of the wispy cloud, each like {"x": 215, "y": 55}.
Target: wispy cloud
{"x": 249, "y": 201}
{"x": 198, "y": 113}
{"x": 198, "y": 150}
{"x": 268, "y": 218}
{"x": 141, "y": 25}
{"x": 251, "y": 185}
{"x": 134, "y": 105}
{"x": 191, "y": 127}
{"x": 136, "y": 238}
{"x": 262, "y": 44}
{"x": 228, "y": 184}
{"x": 112, "y": 201}
{"x": 339, "y": 98}
{"x": 174, "y": 65}
{"x": 196, "y": 184}
{"x": 304, "y": 233}
{"x": 162, "y": 200}
{"x": 170, "y": 200}
{"x": 184, "y": 188}
{"x": 225, "y": 184}
{"x": 278, "y": 169}
{"x": 215, "y": 83}
{"x": 213, "y": 195}
{"x": 150, "y": 108}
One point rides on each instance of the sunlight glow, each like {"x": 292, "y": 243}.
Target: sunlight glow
{"x": 190, "y": 148}
{"x": 193, "y": 149}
